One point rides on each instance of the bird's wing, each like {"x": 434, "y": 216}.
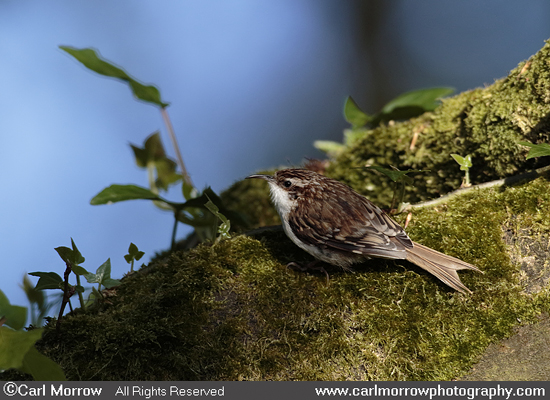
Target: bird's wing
{"x": 350, "y": 224}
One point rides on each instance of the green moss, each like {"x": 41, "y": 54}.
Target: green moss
{"x": 250, "y": 198}
{"x": 234, "y": 311}
{"x": 485, "y": 123}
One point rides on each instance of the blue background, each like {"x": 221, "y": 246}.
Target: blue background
{"x": 251, "y": 85}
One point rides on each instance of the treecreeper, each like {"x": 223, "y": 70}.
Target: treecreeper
{"x": 337, "y": 225}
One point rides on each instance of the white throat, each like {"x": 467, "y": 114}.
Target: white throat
{"x": 282, "y": 201}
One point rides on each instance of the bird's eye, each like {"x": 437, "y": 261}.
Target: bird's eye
{"x": 287, "y": 184}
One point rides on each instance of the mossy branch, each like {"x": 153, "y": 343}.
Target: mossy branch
{"x": 512, "y": 180}
{"x": 486, "y": 123}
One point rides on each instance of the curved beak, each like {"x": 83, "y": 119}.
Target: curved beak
{"x": 268, "y": 178}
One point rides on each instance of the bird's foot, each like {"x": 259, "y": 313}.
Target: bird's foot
{"x": 311, "y": 266}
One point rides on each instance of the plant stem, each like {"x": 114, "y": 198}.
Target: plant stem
{"x": 151, "y": 178}
{"x": 512, "y": 180}
{"x": 185, "y": 176}
{"x": 174, "y": 230}
{"x": 66, "y": 295}
{"x": 467, "y": 178}
{"x": 80, "y": 297}
{"x": 398, "y": 193}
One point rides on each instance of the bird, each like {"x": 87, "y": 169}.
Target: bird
{"x": 338, "y": 226}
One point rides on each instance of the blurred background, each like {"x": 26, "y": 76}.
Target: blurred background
{"x": 251, "y": 84}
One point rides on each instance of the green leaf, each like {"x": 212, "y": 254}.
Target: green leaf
{"x": 41, "y": 367}
{"x": 48, "y": 280}
{"x": 196, "y": 220}
{"x": 91, "y": 60}
{"x": 424, "y": 99}
{"x": 133, "y": 253}
{"x": 14, "y": 345}
{"x": 152, "y": 150}
{"x": 411, "y": 104}
{"x": 188, "y": 191}
{"x": 70, "y": 256}
{"x": 225, "y": 226}
{"x": 65, "y": 253}
{"x": 140, "y": 154}
{"x": 116, "y": 193}
{"x": 354, "y": 115}
{"x": 394, "y": 174}
{"x": 77, "y": 256}
{"x": 78, "y": 270}
{"x": 332, "y": 149}
{"x": 96, "y": 294}
{"x": 16, "y": 316}
{"x": 537, "y": 150}
{"x": 34, "y": 296}
{"x": 110, "y": 282}
{"x": 103, "y": 275}
{"x": 153, "y": 147}
{"x": 152, "y": 155}
{"x": 464, "y": 162}
{"x": 200, "y": 201}
{"x": 166, "y": 173}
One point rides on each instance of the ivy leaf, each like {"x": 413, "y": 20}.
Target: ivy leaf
{"x": 70, "y": 256}
{"x": 48, "y": 280}
{"x": 354, "y": 115}
{"x": 102, "y": 276}
{"x": 78, "y": 259}
{"x": 152, "y": 155}
{"x": 464, "y": 162}
{"x": 133, "y": 253}
{"x": 95, "y": 294}
{"x": 15, "y": 316}
{"x": 411, "y": 104}
{"x": 166, "y": 173}
{"x": 152, "y": 150}
{"x": 78, "y": 270}
{"x": 537, "y": 150}
{"x": 200, "y": 201}
{"x": 14, "y": 345}
{"x": 225, "y": 226}
{"x": 41, "y": 367}
{"x": 116, "y": 193}
{"x": 91, "y": 60}
{"x": 34, "y": 296}
{"x": 427, "y": 99}
{"x": 404, "y": 106}
{"x": 188, "y": 191}
{"x": 209, "y": 194}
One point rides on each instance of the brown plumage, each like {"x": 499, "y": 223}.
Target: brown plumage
{"x": 337, "y": 225}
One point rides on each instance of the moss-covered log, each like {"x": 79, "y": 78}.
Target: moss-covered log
{"x": 486, "y": 123}
{"x": 234, "y": 311}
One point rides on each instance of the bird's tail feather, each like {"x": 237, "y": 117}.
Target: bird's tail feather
{"x": 440, "y": 265}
